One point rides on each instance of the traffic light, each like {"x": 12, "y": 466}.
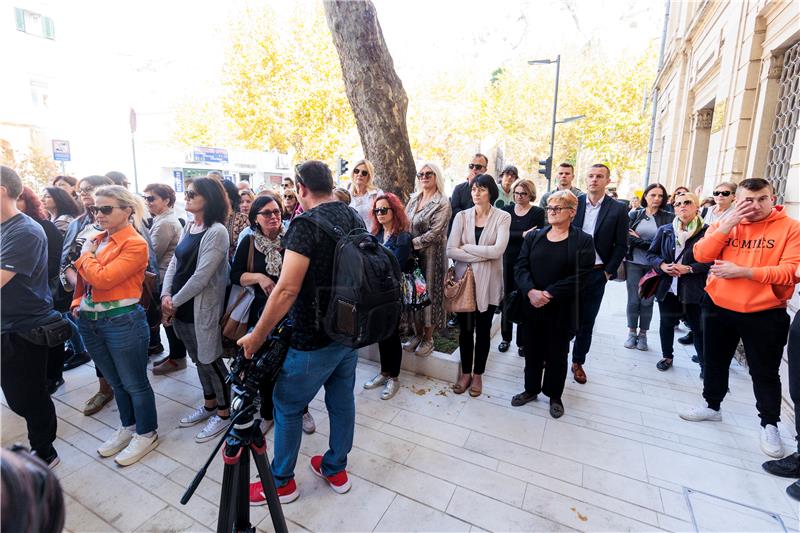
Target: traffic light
{"x": 342, "y": 166}
{"x": 547, "y": 165}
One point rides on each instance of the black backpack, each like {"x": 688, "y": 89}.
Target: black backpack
{"x": 365, "y": 295}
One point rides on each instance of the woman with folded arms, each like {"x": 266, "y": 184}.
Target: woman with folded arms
{"x": 478, "y": 238}
{"x": 682, "y": 280}
{"x": 193, "y": 300}
{"x": 111, "y": 321}
{"x": 549, "y": 272}
{"x": 61, "y": 207}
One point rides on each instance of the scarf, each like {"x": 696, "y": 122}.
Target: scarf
{"x": 271, "y": 248}
{"x": 692, "y": 229}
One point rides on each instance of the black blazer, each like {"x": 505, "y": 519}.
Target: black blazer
{"x": 580, "y": 250}
{"x": 691, "y": 287}
{"x": 460, "y": 200}
{"x": 610, "y": 232}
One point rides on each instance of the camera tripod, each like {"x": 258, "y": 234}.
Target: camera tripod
{"x": 243, "y": 439}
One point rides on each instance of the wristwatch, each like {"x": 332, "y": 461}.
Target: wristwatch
{"x": 691, "y": 270}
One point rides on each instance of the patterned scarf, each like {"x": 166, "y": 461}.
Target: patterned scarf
{"x": 271, "y": 248}
{"x": 692, "y": 229}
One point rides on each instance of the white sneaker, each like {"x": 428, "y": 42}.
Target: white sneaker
{"x": 214, "y": 427}
{"x": 771, "y": 443}
{"x": 391, "y": 388}
{"x": 118, "y": 441}
{"x": 309, "y": 426}
{"x": 196, "y": 416}
{"x": 138, "y": 448}
{"x": 376, "y": 382}
{"x": 698, "y": 414}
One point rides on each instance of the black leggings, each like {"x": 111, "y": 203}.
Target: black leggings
{"x": 474, "y": 336}
{"x": 391, "y": 355}
{"x": 547, "y": 352}
{"x": 671, "y": 310}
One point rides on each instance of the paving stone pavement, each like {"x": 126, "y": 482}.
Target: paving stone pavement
{"x": 430, "y": 460}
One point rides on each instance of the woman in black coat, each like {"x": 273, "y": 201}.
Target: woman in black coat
{"x": 682, "y": 280}
{"x": 549, "y": 272}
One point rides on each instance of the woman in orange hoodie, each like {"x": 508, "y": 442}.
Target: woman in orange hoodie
{"x": 756, "y": 252}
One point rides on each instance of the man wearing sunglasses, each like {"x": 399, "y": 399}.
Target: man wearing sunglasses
{"x": 461, "y": 198}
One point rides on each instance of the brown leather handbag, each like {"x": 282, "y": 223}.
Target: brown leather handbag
{"x": 459, "y": 294}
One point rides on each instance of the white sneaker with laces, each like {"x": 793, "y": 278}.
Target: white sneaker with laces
{"x": 391, "y": 388}
{"x": 196, "y": 416}
{"x": 213, "y": 427}
{"x": 309, "y": 426}
{"x": 118, "y": 441}
{"x": 699, "y": 414}
{"x": 138, "y": 448}
{"x": 771, "y": 443}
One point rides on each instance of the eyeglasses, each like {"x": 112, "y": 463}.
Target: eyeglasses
{"x": 363, "y": 173}
{"x": 105, "y": 209}
{"x": 381, "y": 210}
{"x": 722, "y": 193}
{"x": 555, "y": 209}
{"x": 684, "y": 203}
{"x": 190, "y": 195}
{"x": 86, "y": 190}
{"x": 476, "y": 166}
{"x": 428, "y": 174}
{"x": 266, "y": 213}
{"x": 149, "y": 199}
{"x": 520, "y": 193}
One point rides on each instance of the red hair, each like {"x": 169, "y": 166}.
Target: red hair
{"x": 400, "y": 221}
{"x": 33, "y": 206}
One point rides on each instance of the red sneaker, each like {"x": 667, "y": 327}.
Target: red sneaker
{"x": 339, "y": 481}
{"x": 286, "y": 494}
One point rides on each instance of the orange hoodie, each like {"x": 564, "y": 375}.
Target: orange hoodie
{"x": 770, "y": 247}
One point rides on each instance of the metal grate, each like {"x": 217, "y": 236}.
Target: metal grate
{"x": 787, "y": 119}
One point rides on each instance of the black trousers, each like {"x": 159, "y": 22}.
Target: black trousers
{"x": 509, "y": 285}
{"x": 391, "y": 354}
{"x": 23, "y": 377}
{"x": 794, "y": 371}
{"x": 763, "y": 334}
{"x": 55, "y": 363}
{"x": 591, "y": 297}
{"x": 177, "y": 350}
{"x": 547, "y": 351}
{"x": 474, "y": 337}
{"x": 672, "y": 311}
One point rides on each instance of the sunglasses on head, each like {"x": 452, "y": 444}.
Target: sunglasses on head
{"x": 381, "y": 210}
{"x": 266, "y": 213}
{"x": 684, "y": 203}
{"x": 149, "y": 198}
{"x": 428, "y": 174}
{"x": 189, "y": 195}
{"x": 105, "y": 209}
{"x": 476, "y": 166}
{"x": 722, "y": 193}
{"x": 363, "y": 173}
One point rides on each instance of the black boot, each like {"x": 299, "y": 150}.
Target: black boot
{"x": 789, "y": 466}
{"x": 687, "y": 339}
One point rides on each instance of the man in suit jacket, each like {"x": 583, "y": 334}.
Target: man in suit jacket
{"x": 461, "y": 199}
{"x": 607, "y": 221}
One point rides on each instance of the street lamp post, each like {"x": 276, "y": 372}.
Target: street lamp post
{"x": 555, "y": 110}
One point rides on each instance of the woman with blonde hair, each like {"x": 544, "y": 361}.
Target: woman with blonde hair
{"x": 428, "y": 212}
{"x": 363, "y": 191}
{"x": 112, "y": 323}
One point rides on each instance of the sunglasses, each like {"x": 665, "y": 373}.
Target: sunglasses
{"x": 722, "y": 193}
{"x": 684, "y": 203}
{"x": 149, "y": 198}
{"x": 190, "y": 195}
{"x": 520, "y": 193}
{"x": 381, "y": 210}
{"x": 475, "y": 166}
{"x": 86, "y": 190}
{"x": 428, "y": 174}
{"x": 555, "y": 209}
{"x": 363, "y": 173}
{"x": 105, "y": 209}
{"x": 289, "y": 197}
{"x": 266, "y": 213}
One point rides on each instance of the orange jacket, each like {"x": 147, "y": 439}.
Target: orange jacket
{"x": 770, "y": 247}
{"x": 117, "y": 271}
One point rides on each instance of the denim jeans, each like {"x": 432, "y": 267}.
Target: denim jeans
{"x": 639, "y": 310}
{"x": 118, "y": 346}
{"x": 301, "y": 377}
{"x": 75, "y": 342}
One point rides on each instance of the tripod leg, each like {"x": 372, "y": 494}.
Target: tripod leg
{"x": 268, "y": 485}
{"x": 229, "y": 493}
{"x": 242, "y": 489}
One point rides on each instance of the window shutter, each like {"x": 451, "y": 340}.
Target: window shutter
{"x": 20, "y": 15}
{"x": 48, "y": 30}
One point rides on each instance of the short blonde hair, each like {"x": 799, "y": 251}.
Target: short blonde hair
{"x": 371, "y": 169}
{"x": 528, "y": 185}
{"x": 439, "y": 176}
{"x": 126, "y": 198}
{"x": 564, "y": 198}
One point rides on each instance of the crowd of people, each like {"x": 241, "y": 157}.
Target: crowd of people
{"x": 114, "y": 267}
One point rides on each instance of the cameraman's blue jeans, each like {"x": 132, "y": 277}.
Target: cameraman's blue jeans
{"x": 302, "y": 376}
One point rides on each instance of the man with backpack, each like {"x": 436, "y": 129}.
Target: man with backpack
{"x": 329, "y": 287}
